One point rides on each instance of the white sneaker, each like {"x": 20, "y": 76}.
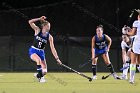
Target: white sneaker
{"x": 131, "y": 81}
{"x": 42, "y": 80}
{"x": 35, "y": 75}
{"x": 123, "y": 77}
{"x": 115, "y": 76}
{"x": 94, "y": 77}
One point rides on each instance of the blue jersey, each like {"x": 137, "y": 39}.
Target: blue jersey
{"x": 100, "y": 44}
{"x": 39, "y": 44}
{"x": 40, "y": 41}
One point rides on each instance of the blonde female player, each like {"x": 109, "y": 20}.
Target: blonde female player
{"x": 36, "y": 51}
{"x": 135, "y": 54}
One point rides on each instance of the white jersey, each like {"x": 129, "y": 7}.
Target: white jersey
{"x": 136, "y": 43}
{"x": 126, "y": 46}
{"x": 137, "y": 25}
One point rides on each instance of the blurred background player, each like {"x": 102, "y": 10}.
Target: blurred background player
{"x": 101, "y": 45}
{"x": 126, "y": 45}
{"x": 36, "y": 52}
{"x": 135, "y": 54}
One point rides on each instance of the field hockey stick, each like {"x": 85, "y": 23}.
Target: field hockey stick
{"x": 129, "y": 19}
{"x": 82, "y": 65}
{"x": 81, "y": 74}
{"x": 104, "y": 77}
{"x": 124, "y": 68}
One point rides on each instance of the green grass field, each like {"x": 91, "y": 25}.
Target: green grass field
{"x": 65, "y": 83}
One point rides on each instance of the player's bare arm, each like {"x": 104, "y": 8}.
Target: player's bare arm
{"x": 124, "y": 55}
{"x": 109, "y": 42}
{"x": 34, "y": 26}
{"x": 53, "y": 49}
{"x": 92, "y": 47}
{"x": 132, "y": 31}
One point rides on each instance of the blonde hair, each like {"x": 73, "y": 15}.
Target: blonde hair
{"x": 43, "y": 23}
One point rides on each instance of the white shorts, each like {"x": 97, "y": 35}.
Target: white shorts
{"x": 136, "y": 47}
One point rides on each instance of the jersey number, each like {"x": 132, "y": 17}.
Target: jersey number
{"x": 39, "y": 44}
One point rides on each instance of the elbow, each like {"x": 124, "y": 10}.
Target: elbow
{"x": 110, "y": 42}
{"x": 30, "y": 21}
{"x": 133, "y": 33}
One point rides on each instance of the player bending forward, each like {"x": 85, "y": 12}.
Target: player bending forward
{"x": 100, "y": 45}
{"x": 126, "y": 45}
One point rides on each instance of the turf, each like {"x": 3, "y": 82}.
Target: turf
{"x": 65, "y": 83}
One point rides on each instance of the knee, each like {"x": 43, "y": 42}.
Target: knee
{"x": 36, "y": 58}
{"x": 38, "y": 61}
{"x": 107, "y": 62}
{"x": 133, "y": 61}
{"x": 94, "y": 62}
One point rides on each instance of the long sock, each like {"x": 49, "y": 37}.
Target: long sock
{"x": 94, "y": 69}
{"x": 39, "y": 69}
{"x": 138, "y": 67}
{"x": 125, "y": 71}
{"x": 110, "y": 67}
{"x": 132, "y": 71}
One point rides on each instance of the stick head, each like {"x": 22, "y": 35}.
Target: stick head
{"x": 103, "y": 77}
{"x": 90, "y": 79}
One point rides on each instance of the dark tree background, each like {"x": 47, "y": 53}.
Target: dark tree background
{"x": 73, "y": 23}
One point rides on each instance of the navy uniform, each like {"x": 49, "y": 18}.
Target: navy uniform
{"x": 100, "y": 45}
{"x": 39, "y": 45}
{"x": 100, "y": 48}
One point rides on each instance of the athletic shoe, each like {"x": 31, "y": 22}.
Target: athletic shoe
{"x": 35, "y": 75}
{"x": 131, "y": 81}
{"x": 124, "y": 77}
{"x": 94, "y": 77}
{"x": 115, "y": 76}
{"x": 42, "y": 80}
{"x": 138, "y": 68}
